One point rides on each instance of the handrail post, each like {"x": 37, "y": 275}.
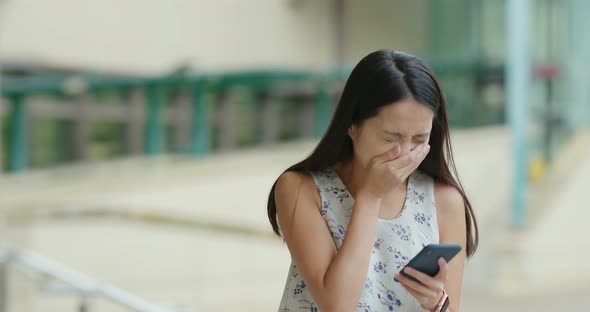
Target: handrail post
{"x": 322, "y": 109}
{"x": 18, "y": 135}
{"x": 155, "y": 130}
{"x": 201, "y": 122}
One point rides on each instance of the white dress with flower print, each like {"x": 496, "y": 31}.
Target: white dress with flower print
{"x": 396, "y": 241}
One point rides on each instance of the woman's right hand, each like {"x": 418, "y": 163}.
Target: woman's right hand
{"x": 388, "y": 170}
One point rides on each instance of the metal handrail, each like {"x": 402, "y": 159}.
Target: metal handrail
{"x": 81, "y": 284}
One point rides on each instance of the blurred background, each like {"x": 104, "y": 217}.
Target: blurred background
{"x": 139, "y": 141}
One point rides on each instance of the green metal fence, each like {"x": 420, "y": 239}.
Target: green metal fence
{"x": 191, "y": 114}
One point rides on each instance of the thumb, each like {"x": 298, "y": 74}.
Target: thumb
{"x": 442, "y": 265}
{"x": 391, "y": 154}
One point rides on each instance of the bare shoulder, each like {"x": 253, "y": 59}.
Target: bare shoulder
{"x": 295, "y": 189}
{"x": 290, "y": 180}
{"x": 448, "y": 199}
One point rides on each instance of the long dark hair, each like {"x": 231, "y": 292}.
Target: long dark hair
{"x": 379, "y": 79}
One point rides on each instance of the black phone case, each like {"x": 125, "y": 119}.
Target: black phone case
{"x": 426, "y": 260}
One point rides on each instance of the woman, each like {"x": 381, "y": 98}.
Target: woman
{"x": 378, "y": 188}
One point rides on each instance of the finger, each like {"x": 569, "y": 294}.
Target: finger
{"x": 416, "y": 286}
{"x": 407, "y": 170}
{"x": 442, "y": 272}
{"x": 415, "y": 161}
{"x": 414, "y": 155}
{"x": 422, "y": 153}
{"x": 426, "y": 301}
{"x": 425, "y": 152}
{"x": 421, "y": 298}
{"x": 404, "y": 160}
{"x": 425, "y": 279}
{"x": 418, "y": 157}
{"x": 389, "y": 155}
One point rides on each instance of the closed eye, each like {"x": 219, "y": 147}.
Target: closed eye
{"x": 422, "y": 138}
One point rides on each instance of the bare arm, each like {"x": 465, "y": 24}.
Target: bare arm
{"x": 335, "y": 279}
{"x": 452, "y": 230}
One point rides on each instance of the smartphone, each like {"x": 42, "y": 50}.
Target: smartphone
{"x": 426, "y": 261}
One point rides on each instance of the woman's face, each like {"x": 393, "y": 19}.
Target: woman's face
{"x": 405, "y": 123}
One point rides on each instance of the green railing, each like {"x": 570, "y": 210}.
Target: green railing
{"x": 199, "y": 94}
{"x": 198, "y": 113}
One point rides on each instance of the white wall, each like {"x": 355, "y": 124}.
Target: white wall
{"x": 378, "y": 24}
{"x": 155, "y": 35}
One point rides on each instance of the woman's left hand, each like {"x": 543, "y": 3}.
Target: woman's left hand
{"x": 428, "y": 290}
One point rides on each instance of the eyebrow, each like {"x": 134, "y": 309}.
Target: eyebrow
{"x": 397, "y": 134}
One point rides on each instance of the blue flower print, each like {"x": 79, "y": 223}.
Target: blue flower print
{"x": 379, "y": 267}
{"x": 294, "y": 271}
{"x": 403, "y": 232}
{"x": 299, "y": 288}
{"x": 416, "y": 198}
{"x": 369, "y": 286}
{"x": 422, "y": 218}
{"x": 399, "y": 260}
{"x": 364, "y": 306}
{"x": 337, "y": 231}
{"x": 388, "y": 298}
{"x": 339, "y": 192}
{"x": 308, "y": 306}
{"x": 325, "y": 207}
{"x": 330, "y": 174}
{"x": 341, "y": 230}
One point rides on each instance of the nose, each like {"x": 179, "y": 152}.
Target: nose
{"x": 407, "y": 147}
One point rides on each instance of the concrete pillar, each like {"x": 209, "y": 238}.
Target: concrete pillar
{"x": 578, "y": 76}
{"x": 518, "y": 82}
